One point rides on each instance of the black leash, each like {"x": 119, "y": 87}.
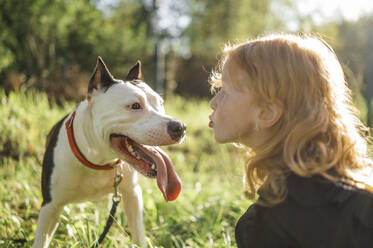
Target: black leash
{"x": 109, "y": 222}
{"x": 116, "y": 199}
{"x": 15, "y": 242}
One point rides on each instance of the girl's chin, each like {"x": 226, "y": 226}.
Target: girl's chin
{"x": 222, "y": 139}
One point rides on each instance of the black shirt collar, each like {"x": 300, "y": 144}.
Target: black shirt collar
{"x": 317, "y": 190}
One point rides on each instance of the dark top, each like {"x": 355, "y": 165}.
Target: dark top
{"x": 316, "y": 213}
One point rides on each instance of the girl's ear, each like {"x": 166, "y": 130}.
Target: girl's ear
{"x": 269, "y": 114}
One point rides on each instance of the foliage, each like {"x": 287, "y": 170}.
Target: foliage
{"x": 38, "y": 41}
{"x": 352, "y": 42}
{"x": 44, "y": 39}
{"x": 51, "y": 43}
{"x": 204, "y": 215}
{"x": 215, "y": 23}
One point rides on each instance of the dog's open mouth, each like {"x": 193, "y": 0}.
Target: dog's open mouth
{"x": 150, "y": 161}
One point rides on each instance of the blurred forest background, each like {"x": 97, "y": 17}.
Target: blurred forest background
{"x": 52, "y": 45}
{"x": 48, "y": 50}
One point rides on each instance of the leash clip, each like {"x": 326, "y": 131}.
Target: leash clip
{"x": 117, "y": 180}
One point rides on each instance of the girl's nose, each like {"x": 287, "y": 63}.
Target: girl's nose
{"x": 213, "y": 103}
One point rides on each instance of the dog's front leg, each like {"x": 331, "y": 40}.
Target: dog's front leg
{"x": 133, "y": 206}
{"x": 47, "y": 224}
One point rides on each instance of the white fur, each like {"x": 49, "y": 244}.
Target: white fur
{"x": 105, "y": 113}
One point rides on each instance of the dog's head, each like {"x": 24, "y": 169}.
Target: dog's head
{"x": 130, "y": 118}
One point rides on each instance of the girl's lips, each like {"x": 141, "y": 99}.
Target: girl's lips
{"x": 211, "y": 124}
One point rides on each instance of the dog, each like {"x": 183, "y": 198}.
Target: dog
{"x": 119, "y": 121}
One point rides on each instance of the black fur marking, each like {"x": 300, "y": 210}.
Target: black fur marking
{"x": 48, "y": 164}
{"x": 101, "y": 78}
{"x": 135, "y": 82}
{"x": 107, "y": 81}
{"x": 115, "y": 81}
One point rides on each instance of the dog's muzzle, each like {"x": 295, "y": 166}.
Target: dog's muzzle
{"x": 176, "y": 130}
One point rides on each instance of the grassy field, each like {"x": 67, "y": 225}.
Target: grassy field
{"x": 204, "y": 215}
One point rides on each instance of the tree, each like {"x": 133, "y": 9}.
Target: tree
{"x": 45, "y": 39}
{"x": 215, "y": 23}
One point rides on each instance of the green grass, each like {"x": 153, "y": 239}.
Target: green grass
{"x": 204, "y": 215}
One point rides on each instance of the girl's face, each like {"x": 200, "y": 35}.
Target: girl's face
{"x": 234, "y": 115}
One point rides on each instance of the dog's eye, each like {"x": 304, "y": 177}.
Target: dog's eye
{"x": 136, "y": 106}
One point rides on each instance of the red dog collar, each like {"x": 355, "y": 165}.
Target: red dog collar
{"x": 78, "y": 154}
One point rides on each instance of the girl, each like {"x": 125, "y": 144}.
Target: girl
{"x": 284, "y": 99}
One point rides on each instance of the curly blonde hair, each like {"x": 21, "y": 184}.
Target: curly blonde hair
{"x": 319, "y": 131}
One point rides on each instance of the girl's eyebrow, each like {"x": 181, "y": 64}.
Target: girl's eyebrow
{"x": 217, "y": 90}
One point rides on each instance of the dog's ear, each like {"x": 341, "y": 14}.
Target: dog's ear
{"x": 100, "y": 79}
{"x": 135, "y": 72}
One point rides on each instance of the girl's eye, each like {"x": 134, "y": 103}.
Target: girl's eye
{"x": 136, "y": 106}
{"x": 217, "y": 91}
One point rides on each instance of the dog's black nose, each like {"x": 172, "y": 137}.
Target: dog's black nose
{"x": 176, "y": 130}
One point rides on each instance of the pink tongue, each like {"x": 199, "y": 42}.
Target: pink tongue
{"x": 167, "y": 179}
